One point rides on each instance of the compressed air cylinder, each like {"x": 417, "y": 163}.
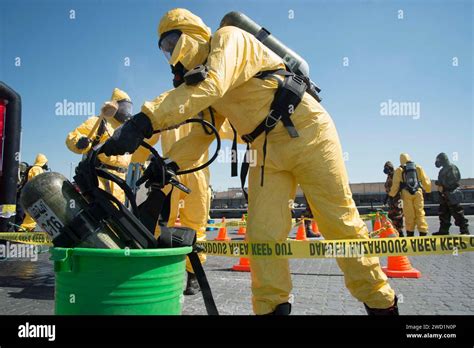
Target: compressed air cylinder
{"x": 292, "y": 59}
{"x": 54, "y": 203}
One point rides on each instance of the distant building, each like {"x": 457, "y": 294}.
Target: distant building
{"x": 366, "y": 196}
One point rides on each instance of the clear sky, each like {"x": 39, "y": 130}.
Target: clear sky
{"x": 422, "y": 55}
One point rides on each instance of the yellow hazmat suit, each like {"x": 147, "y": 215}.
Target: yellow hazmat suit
{"x": 313, "y": 160}
{"x": 413, "y": 205}
{"x": 37, "y": 169}
{"x": 116, "y": 165}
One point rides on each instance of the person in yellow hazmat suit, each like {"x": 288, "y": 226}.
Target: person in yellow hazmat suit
{"x": 236, "y": 88}
{"x": 96, "y": 130}
{"x": 411, "y": 180}
{"x": 40, "y": 165}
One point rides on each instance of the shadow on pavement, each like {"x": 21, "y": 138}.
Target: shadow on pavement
{"x": 40, "y": 292}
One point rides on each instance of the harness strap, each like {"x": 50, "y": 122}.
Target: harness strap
{"x": 211, "y": 307}
{"x": 289, "y": 94}
{"x": 244, "y": 169}
{"x": 100, "y": 132}
{"x": 233, "y": 165}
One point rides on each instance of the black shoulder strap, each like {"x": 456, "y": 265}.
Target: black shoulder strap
{"x": 100, "y": 132}
{"x": 211, "y": 307}
{"x": 244, "y": 170}
{"x": 234, "y": 159}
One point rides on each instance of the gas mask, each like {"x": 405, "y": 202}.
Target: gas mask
{"x": 178, "y": 72}
{"x": 124, "y": 112}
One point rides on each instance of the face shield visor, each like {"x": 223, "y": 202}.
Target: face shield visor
{"x": 168, "y": 41}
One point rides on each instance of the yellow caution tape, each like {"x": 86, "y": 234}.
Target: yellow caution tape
{"x": 430, "y": 245}
{"x": 228, "y": 224}
{"x": 343, "y": 248}
{"x": 38, "y": 238}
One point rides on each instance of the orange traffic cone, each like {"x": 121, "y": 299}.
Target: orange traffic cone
{"x": 243, "y": 265}
{"x": 397, "y": 266}
{"x": 222, "y": 235}
{"x": 242, "y": 229}
{"x": 377, "y": 223}
{"x": 388, "y": 230}
{"x": 301, "y": 233}
{"x": 315, "y": 227}
{"x": 400, "y": 267}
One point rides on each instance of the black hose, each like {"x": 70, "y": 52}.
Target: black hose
{"x": 204, "y": 124}
{"x": 96, "y": 172}
{"x": 123, "y": 185}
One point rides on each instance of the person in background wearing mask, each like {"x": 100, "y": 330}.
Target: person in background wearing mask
{"x": 450, "y": 197}
{"x": 411, "y": 180}
{"x": 39, "y": 167}
{"x": 395, "y": 210}
{"x": 96, "y": 130}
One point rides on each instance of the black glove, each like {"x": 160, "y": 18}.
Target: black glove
{"x": 83, "y": 143}
{"x": 159, "y": 173}
{"x": 128, "y": 137}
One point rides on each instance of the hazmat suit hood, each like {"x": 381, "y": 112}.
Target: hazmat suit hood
{"x": 124, "y": 102}
{"x": 442, "y": 160}
{"x": 404, "y": 158}
{"x": 41, "y": 161}
{"x": 193, "y": 45}
{"x": 119, "y": 95}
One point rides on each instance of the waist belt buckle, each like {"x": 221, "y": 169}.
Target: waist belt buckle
{"x": 272, "y": 118}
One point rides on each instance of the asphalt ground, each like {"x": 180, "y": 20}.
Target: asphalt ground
{"x": 445, "y": 288}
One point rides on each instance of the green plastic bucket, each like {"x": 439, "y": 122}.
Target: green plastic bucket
{"x": 119, "y": 281}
